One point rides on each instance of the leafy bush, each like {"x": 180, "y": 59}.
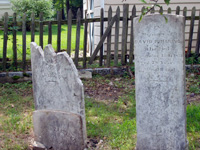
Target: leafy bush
{"x": 36, "y": 6}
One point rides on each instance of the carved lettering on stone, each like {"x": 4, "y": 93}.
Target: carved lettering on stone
{"x": 160, "y": 82}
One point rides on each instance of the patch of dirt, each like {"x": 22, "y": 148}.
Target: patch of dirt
{"x": 193, "y": 98}
{"x": 112, "y": 90}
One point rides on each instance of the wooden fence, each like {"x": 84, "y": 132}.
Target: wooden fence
{"x": 113, "y": 21}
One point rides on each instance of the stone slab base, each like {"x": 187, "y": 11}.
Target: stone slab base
{"x": 58, "y": 130}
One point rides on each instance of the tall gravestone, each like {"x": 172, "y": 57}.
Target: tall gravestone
{"x": 59, "y": 119}
{"x": 160, "y": 82}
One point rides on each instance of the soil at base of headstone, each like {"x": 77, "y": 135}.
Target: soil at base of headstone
{"x": 107, "y": 89}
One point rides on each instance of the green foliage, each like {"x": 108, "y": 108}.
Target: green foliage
{"x": 193, "y": 60}
{"x": 147, "y": 9}
{"x": 33, "y": 6}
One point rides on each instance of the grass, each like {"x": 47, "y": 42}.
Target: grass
{"x": 45, "y": 37}
{"x": 113, "y": 121}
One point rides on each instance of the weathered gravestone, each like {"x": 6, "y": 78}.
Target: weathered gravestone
{"x": 160, "y": 82}
{"x": 59, "y": 119}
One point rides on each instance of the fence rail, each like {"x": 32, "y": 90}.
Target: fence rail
{"x": 112, "y": 19}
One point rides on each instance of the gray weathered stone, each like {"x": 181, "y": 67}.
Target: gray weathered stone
{"x": 58, "y": 130}
{"x": 56, "y": 84}
{"x": 160, "y": 83}
{"x": 85, "y": 74}
{"x": 12, "y": 74}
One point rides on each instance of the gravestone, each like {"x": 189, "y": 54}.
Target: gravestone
{"x": 59, "y": 119}
{"x": 160, "y": 82}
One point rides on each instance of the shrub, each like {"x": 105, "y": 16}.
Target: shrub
{"x": 28, "y": 6}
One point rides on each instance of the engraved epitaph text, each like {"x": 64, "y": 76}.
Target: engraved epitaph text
{"x": 160, "y": 82}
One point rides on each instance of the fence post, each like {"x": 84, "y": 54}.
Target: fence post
{"x": 161, "y": 10}
{"x": 78, "y": 26}
{"x": 50, "y": 33}
{"x": 69, "y": 23}
{"x": 132, "y": 38}
{"x": 59, "y": 17}
{"x": 41, "y": 30}
{"x": 185, "y": 13}
{"x": 198, "y": 38}
{"x": 32, "y": 27}
{"x": 85, "y": 41}
{"x": 109, "y": 38}
{"x": 177, "y": 10}
{"x": 153, "y": 10}
{"x": 15, "y": 40}
{"x": 24, "y": 41}
{"x": 169, "y": 10}
{"x": 117, "y": 37}
{"x": 101, "y": 34}
{"x": 191, "y": 32}
{"x": 124, "y": 33}
{"x": 5, "y": 40}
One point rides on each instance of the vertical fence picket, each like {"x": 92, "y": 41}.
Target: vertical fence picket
{"x": 41, "y": 30}
{"x": 142, "y": 10}
{"x": 124, "y": 33}
{"x": 153, "y": 10}
{"x": 5, "y": 41}
{"x": 15, "y": 40}
{"x": 78, "y": 26}
{"x": 59, "y": 31}
{"x": 132, "y": 38}
{"x": 161, "y": 10}
{"x": 24, "y": 41}
{"x": 169, "y": 10}
{"x": 177, "y": 10}
{"x": 50, "y": 32}
{"x": 109, "y": 39}
{"x": 117, "y": 37}
{"x": 191, "y": 31}
{"x": 69, "y": 37}
{"x": 198, "y": 39}
{"x": 101, "y": 34}
{"x": 85, "y": 41}
{"x": 32, "y": 27}
{"x": 185, "y": 13}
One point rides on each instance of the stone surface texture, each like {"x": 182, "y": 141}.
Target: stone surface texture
{"x": 58, "y": 130}
{"x": 56, "y": 87}
{"x": 160, "y": 82}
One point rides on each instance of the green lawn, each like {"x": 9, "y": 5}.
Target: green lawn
{"x": 110, "y": 120}
{"x": 28, "y": 40}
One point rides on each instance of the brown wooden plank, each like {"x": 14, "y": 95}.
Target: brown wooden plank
{"x": 49, "y": 33}
{"x": 69, "y": 37}
{"x": 109, "y": 38}
{"x": 198, "y": 39}
{"x": 78, "y": 27}
{"x": 169, "y": 10}
{"x": 85, "y": 41}
{"x": 24, "y": 41}
{"x": 117, "y": 37}
{"x": 5, "y": 41}
{"x": 102, "y": 39}
{"x": 132, "y": 37}
{"x": 32, "y": 27}
{"x": 15, "y": 40}
{"x": 178, "y": 10}
{"x": 191, "y": 31}
{"x": 59, "y": 13}
{"x": 101, "y": 34}
{"x": 41, "y": 30}
{"x": 124, "y": 33}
